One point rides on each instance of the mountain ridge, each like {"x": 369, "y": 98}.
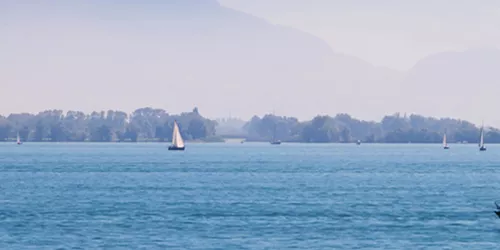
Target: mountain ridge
{"x": 208, "y": 55}
{"x": 441, "y": 83}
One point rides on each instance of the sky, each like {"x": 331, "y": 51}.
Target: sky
{"x": 390, "y": 33}
{"x": 294, "y": 57}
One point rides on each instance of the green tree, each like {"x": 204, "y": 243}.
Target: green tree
{"x": 5, "y": 128}
{"x": 40, "y": 131}
{"x": 102, "y": 133}
{"x": 57, "y": 132}
{"x": 196, "y": 129}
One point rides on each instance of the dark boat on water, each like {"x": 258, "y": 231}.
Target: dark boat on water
{"x": 174, "y": 148}
{"x": 497, "y": 212}
{"x": 177, "y": 142}
{"x": 277, "y": 142}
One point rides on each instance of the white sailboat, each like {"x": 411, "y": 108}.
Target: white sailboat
{"x": 481, "y": 140}
{"x": 275, "y": 141}
{"x": 177, "y": 141}
{"x": 18, "y": 141}
{"x": 445, "y": 144}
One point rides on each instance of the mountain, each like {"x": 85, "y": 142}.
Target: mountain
{"x": 454, "y": 84}
{"x": 110, "y": 54}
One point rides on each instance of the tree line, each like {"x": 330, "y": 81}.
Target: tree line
{"x": 144, "y": 124}
{"x": 150, "y": 124}
{"x": 342, "y": 128}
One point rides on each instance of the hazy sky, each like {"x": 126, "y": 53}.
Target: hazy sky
{"x": 176, "y": 54}
{"x": 392, "y": 33}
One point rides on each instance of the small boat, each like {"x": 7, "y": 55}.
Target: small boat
{"x": 481, "y": 140}
{"x": 177, "y": 142}
{"x": 445, "y": 144}
{"x": 497, "y": 212}
{"x": 358, "y": 142}
{"x": 274, "y": 141}
{"x": 18, "y": 139}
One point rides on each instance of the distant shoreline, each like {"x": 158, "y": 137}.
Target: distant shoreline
{"x": 156, "y": 125}
{"x": 245, "y": 142}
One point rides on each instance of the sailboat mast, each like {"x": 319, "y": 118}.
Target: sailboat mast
{"x": 481, "y": 140}
{"x": 481, "y": 136}
{"x": 274, "y": 132}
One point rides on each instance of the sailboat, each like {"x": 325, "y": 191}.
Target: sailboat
{"x": 18, "y": 139}
{"x": 177, "y": 142}
{"x": 445, "y": 144}
{"x": 481, "y": 140}
{"x": 274, "y": 141}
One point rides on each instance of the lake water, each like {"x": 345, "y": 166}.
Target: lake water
{"x": 248, "y": 196}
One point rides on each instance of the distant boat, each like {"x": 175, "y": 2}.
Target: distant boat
{"x": 277, "y": 142}
{"x": 274, "y": 141}
{"x": 177, "y": 142}
{"x": 481, "y": 140}
{"x": 358, "y": 142}
{"x": 18, "y": 141}
{"x": 445, "y": 144}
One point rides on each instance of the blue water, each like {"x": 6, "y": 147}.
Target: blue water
{"x": 248, "y": 196}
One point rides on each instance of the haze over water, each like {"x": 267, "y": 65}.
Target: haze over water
{"x": 248, "y": 196}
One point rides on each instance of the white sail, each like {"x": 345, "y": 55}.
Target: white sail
{"x": 444, "y": 141}
{"x": 176, "y": 137}
{"x": 18, "y": 139}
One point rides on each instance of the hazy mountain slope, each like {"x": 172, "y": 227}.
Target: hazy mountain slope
{"x": 177, "y": 54}
{"x": 454, "y": 83}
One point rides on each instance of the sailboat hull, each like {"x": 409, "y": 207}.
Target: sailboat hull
{"x": 446, "y": 147}
{"x": 174, "y": 148}
{"x": 482, "y": 149}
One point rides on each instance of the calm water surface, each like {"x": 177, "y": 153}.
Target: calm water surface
{"x": 248, "y": 196}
